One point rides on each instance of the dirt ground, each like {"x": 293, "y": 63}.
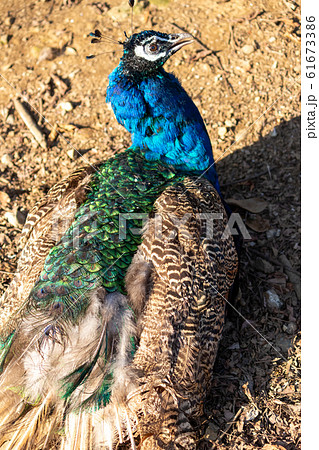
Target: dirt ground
{"x": 243, "y": 73}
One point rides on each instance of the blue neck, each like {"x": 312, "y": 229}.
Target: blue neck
{"x": 163, "y": 121}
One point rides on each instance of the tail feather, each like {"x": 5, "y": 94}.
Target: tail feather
{"x": 59, "y": 373}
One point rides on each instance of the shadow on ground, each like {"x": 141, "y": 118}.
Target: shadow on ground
{"x": 256, "y": 384}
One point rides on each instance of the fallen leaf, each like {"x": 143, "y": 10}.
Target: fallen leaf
{"x": 67, "y": 127}
{"x": 258, "y": 224}
{"x": 253, "y": 205}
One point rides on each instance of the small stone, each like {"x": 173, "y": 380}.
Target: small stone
{"x": 246, "y": 65}
{"x": 6, "y": 160}
{"x": 248, "y": 49}
{"x": 272, "y": 299}
{"x": 10, "y": 119}
{"x": 222, "y": 131}
{"x": 66, "y": 106}
{"x": 12, "y": 219}
{"x": 275, "y": 65}
{"x": 290, "y": 328}
{"x": 47, "y": 54}
{"x": 211, "y": 432}
{"x": 71, "y": 153}
{"x": 284, "y": 342}
{"x": 9, "y": 21}
{"x": 4, "y": 199}
{"x": 21, "y": 217}
{"x": 85, "y": 134}
{"x": 69, "y": 51}
{"x": 272, "y": 233}
{"x": 4, "y": 112}
{"x": 273, "y": 133}
{"x": 7, "y": 66}
{"x": 4, "y": 39}
{"x": 16, "y": 219}
{"x": 272, "y": 39}
{"x": 229, "y": 123}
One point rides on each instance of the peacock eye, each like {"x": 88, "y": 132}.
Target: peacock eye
{"x": 153, "y": 47}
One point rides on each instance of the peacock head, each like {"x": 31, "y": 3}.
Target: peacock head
{"x": 147, "y": 51}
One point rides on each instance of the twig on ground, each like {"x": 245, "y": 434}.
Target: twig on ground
{"x": 30, "y": 123}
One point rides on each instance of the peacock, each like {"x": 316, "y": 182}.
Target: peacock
{"x": 110, "y": 327}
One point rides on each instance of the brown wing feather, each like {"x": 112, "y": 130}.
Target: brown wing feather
{"x": 46, "y": 223}
{"x": 184, "y": 312}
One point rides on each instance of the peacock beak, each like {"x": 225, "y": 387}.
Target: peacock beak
{"x": 178, "y": 41}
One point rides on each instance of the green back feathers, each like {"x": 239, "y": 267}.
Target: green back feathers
{"x": 98, "y": 247}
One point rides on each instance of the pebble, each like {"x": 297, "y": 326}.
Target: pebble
{"x": 222, "y": 131}
{"x": 12, "y": 219}
{"x": 69, "y": 51}
{"x": 10, "y": 119}
{"x": 211, "y": 432}
{"x": 270, "y": 234}
{"x": 85, "y": 133}
{"x": 66, "y": 106}
{"x": 290, "y": 328}
{"x": 273, "y": 133}
{"x": 71, "y": 153}
{"x": 47, "y": 54}
{"x": 229, "y": 123}
{"x": 248, "y": 49}
{"x": 285, "y": 343}
{"x": 6, "y": 160}
{"x": 4, "y": 112}
{"x": 272, "y": 299}
{"x": 9, "y": 21}
{"x": 4, "y": 39}
{"x": 4, "y": 199}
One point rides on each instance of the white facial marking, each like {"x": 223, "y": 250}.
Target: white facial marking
{"x": 139, "y": 51}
